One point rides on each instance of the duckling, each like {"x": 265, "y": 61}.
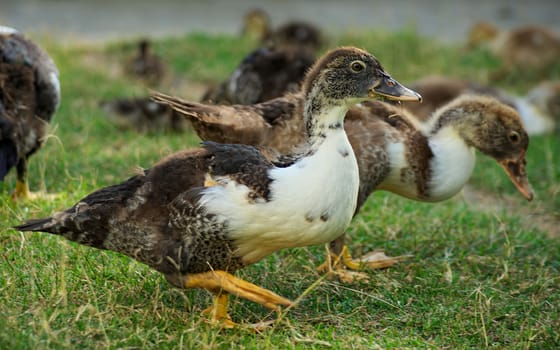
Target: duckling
{"x": 264, "y": 74}
{"x": 146, "y": 65}
{"x": 426, "y": 161}
{"x": 143, "y": 115}
{"x": 257, "y": 25}
{"x": 529, "y": 47}
{"x": 200, "y": 214}
{"x": 29, "y": 97}
{"x": 539, "y": 108}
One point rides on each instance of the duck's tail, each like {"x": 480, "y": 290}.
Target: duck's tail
{"x": 191, "y": 110}
{"x": 35, "y": 225}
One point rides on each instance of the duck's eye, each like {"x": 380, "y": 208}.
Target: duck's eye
{"x": 357, "y": 66}
{"x": 514, "y": 137}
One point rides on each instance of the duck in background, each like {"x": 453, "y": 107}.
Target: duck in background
{"x": 199, "y": 215}
{"x": 264, "y": 74}
{"x": 257, "y": 25}
{"x": 428, "y": 160}
{"x": 531, "y": 47}
{"x": 143, "y": 115}
{"x": 145, "y": 65}
{"x": 539, "y": 109}
{"x": 29, "y": 97}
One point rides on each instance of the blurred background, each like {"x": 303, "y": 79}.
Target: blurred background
{"x": 110, "y": 19}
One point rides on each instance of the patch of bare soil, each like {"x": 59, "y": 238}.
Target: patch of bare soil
{"x": 533, "y": 215}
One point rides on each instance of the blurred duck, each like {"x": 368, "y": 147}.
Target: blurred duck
{"x": 29, "y": 97}
{"x": 428, "y": 161}
{"x": 264, "y": 74}
{"x": 145, "y": 65}
{"x": 143, "y": 115}
{"x": 539, "y": 108}
{"x": 257, "y": 25}
{"x": 199, "y": 215}
{"x": 529, "y": 47}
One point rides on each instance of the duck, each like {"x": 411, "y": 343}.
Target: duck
{"x": 29, "y": 98}
{"x": 143, "y": 115}
{"x": 257, "y": 25}
{"x": 145, "y": 65}
{"x": 200, "y": 214}
{"x": 533, "y": 47}
{"x": 423, "y": 160}
{"x": 539, "y": 108}
{"x": 264, "y": 74}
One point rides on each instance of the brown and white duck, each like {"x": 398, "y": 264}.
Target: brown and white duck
{"x": 29, "y": 97}
{"x": 529, "y": 47}
{"x": 145, "y": 65}
{"x": 426, "y": 161}
{"x": 264, "y": 74}
{"x": 257, "y": 25}
{"x": 197, "y": 235}
{"x": 539, "y": 109}
{"x": 143, "y": 115}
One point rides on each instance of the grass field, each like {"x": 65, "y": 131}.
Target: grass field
{"x": 476, "y": 279}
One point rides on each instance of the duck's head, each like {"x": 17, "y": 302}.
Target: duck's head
{"x": 480, "y": 33}
{"x": 349, "y": 75}
{"x": 256, "y": 24}
{"x": 496, "y": 130}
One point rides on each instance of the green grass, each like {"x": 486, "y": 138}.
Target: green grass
{"x": 475, "y": 280}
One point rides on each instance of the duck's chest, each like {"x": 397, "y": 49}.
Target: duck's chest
{"x": 311, "y": 202}
{"x": 432, "y": 173}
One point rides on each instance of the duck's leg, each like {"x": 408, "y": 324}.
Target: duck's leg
{"x": 22, "y": 188}
{"x": 219, "y": 311}
{"x": 222, "y": 283}
{"x": 339, "y": 258}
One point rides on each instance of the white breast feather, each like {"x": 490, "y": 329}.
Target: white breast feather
{"x": 324, "y": 183}
{"x": 534, "y": 121}
{"x": 451, "y": 166}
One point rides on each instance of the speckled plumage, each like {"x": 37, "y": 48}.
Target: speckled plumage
{"x": 29, "y": 97}
{"x": 226, "y": 206}
{"x": 437, "y": 90}
{"x": 539, "y": 108}
{"x": 395, "y": 151}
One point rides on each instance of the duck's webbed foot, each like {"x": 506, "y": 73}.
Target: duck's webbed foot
{"x": 22, "y": 193}
{"x": 347, "y": 269}
{"x": 222, "y": 284}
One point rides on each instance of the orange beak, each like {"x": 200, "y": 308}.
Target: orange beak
{"x": 515, "y": 170}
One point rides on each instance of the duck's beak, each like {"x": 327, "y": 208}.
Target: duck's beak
{"x": 515, "y": 170}
{"x": 393, "y": 90}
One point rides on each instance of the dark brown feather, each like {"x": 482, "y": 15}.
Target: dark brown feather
{"x": 28, "y": 99}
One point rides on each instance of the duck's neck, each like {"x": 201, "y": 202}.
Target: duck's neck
{"x": 318, "y": 192}
{"x": 451, "y": 138}
{"x": 322, "y": 117}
